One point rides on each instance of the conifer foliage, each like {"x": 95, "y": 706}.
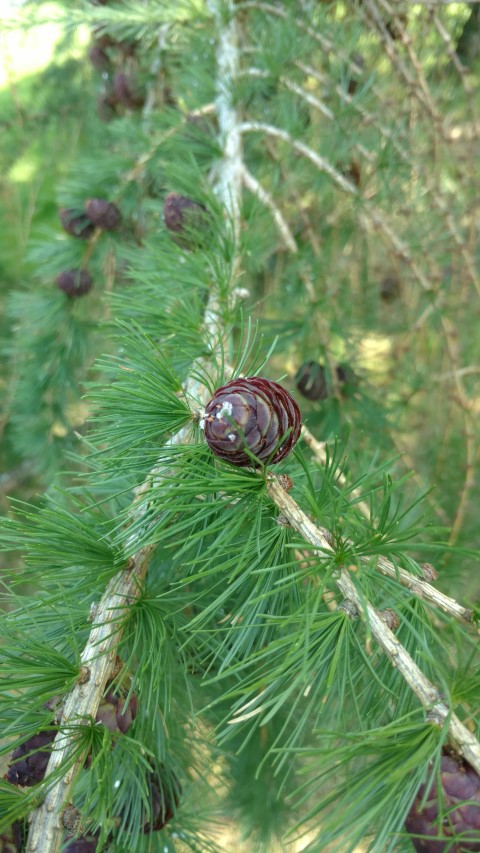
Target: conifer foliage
{"x": 223, "y": 618}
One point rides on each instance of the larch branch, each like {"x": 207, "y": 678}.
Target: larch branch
{"x": 99, "y": 654}
{"x": 426, "y": 692}
{"x": 264, "y": 196}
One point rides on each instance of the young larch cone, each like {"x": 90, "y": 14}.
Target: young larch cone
{"x": 104, "y": 214}
{"x": 76, "y": 223}
{"x": 74, "y": 282}
{"x": 12, "y": 841}
{"x": 390, "y": 288}
{"x": 128, "y": 91}
{"x": 163, "y": 797}
{"x": 183, "y": 215}
{"x": 252, "y": 413}
{"x": 116, "y": 713}
{"x": 453, "y": 826}
{"x": 29, "y": 761}
{"x": 311, "y": 381}
{"x": 84, "y": 844}
{"x": 163, "y": 804}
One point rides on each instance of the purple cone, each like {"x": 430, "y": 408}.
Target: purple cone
{"x": 29, "y": 761}
{"x": 76, "y": 223}
{"x": 116, "y": 713}
{"x": 251, "y": 413}
{"x": 104, "y": 214}
{"x": 74, "y": 282}
{"x": 183, "y": 217}
{"x": 458, "y": 829}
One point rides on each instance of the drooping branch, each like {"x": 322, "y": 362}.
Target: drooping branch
{"x": 320, "y": 162}
{"x": 427, "y": 693}
{"x": 264, "y": 196}
{"x": 97, "y": 663}
{"x": 376, "y": 218}
{"x": 416, "y": 585}
{"x": 99, "y": 654}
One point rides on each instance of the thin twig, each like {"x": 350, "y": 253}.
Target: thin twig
{"x": 317, "y": 160}
{"x": 427, "y": 693}
{"x": 376, "y": 217}
{"x": 264, "y": 196}
{"x": 434, "y": 191}
{"x": 319, "y": 450}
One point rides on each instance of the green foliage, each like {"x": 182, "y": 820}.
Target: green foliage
{"x": 380, "y": 792}
{"x": 264, "y": 702}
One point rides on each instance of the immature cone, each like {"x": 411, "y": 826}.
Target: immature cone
{"x": 390, "y": 288}
{"x": 87, "y": 844}
{"x": 11, "y": 840}
{"x": 183, "y": 215}
{"x": 127, "y": 91}
{"x": 99, "y": 58}
{"x": 74, "y": 282}
{"x": 458, "y": 829}
{"x": 76, "y": 223}
{"x": 29, "y": 761}
{"x": 251, "y": 413}
{"x": 163, "y": 802}
{"x": 104, "y": 214}
{"x": 311, "y": 381}
{"x": 163, "y": 799}
{"x": 116, "y": 713}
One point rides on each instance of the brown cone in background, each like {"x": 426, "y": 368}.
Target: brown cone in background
{"x": 85, "y": 844}
{"x": 458, "y": 829}
{"x": 76, "y": 223}
{"x": 74, "y": 283}
{"x": 311, "y": 381}
{"x": 116, "y": 713}
{"x": 163, "y": 804}
{"x": 29, "y": 761}
{"x": 104, "y": 214}
{"x": 127, "y": 91}
{"x": 390, "y": 288}
{"x": 187, "y": 220}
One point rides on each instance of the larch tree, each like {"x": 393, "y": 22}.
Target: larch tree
{"x": 243, "y": 375}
